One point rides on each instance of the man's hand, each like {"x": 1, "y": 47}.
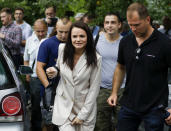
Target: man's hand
{"x": 77, "y": 121}
{"x": 168, "y": 120}
{"x": 51, "y": 72}
{"x": 2, "y": 36}
{"x": 112, "y": 100}
{"x": 48, "y": 20}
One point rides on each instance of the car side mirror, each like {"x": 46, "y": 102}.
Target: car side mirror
{"x": 25, "y": 70}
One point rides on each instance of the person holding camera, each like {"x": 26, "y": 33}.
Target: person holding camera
{"x": 50, "y": 17}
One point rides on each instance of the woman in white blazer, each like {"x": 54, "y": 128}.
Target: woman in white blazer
{"x": 80, "y": 71}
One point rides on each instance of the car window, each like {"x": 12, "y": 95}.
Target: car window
{"x": 6, "y": 79}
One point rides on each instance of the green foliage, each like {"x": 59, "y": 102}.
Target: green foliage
{"x": 77, "y": 5}
{"x": 30, "y": 15}
{"x": 160, "y": 8}
{"x": 34, "y": 9}
{"x": 105, "y": 6}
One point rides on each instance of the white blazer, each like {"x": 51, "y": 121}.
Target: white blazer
{"x": 77, "y": 91}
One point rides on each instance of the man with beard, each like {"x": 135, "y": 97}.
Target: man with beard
{"x": 11, "y": 35}
{"x": 144, "y": 56}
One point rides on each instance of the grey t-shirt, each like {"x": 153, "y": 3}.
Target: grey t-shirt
{"x": 109, "y": 52}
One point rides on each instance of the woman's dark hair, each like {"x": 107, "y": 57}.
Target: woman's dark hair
{"x": 90, "y": 49}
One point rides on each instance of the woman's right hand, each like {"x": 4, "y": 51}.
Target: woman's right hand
{"x": 51, "y": 72}
{"x": 77, "y": 121}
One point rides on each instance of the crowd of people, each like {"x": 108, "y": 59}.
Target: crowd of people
{"x": 93, "y": 78}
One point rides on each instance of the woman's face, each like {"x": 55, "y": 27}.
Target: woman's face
{"x": 78, "y": 38}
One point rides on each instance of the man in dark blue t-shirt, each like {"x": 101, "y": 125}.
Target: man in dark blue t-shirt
{"x": 48, "y": 50}
{"x": 48, "y": 53}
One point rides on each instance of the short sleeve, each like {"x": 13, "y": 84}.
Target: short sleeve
{"x": 167, "y": 52}
{"x": 28, "y": 32}
{"x": 121, "y": 53}
{"x": 43, "y": 52}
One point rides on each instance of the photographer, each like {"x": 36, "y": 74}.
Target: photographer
{"x": 51, "y": 19}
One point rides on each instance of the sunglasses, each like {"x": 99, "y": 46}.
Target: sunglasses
{"x": 137, "y": 53}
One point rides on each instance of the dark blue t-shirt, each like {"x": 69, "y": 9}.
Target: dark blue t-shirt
{"x": 48, "y": 51}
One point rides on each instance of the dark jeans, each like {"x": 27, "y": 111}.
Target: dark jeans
{"x": 36, "y": 117}
{"x": 130, "y": 120}
{"x": 18, "y": 60}
{"x": 55, "y": 128}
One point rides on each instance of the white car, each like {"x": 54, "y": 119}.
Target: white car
{"x": 13, "y": 115}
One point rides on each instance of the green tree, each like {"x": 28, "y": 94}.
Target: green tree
{"x": 159, "y": 8}
{"x": 34, "y": 9}
{"x": 101, "y": 7}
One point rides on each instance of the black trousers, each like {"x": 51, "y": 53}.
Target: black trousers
{"x": 36, "y": 116}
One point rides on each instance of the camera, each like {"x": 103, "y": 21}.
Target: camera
{"x": 53, "y": 22}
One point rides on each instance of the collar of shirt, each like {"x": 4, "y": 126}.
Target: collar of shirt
{"x": 33, "y": 47}
{"x": 21, "y": 25}
{"x": 6, "y": 26}
{"x": 34, "y": 37}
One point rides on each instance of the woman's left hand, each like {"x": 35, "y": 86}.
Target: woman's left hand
{"x": 77, "y": 121}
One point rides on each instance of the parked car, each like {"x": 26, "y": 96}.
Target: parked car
{"x": 13, "y": 114}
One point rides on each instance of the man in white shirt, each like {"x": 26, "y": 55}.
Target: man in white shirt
{"x": 30, "y": 54}
{"x": 25, "y": 27}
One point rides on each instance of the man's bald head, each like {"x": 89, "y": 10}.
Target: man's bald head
{"x": 62, "y": 27}
{"x": 40, "y": 28}
{"x": 139, "y": 8}
{"x": 39, "y": 22}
